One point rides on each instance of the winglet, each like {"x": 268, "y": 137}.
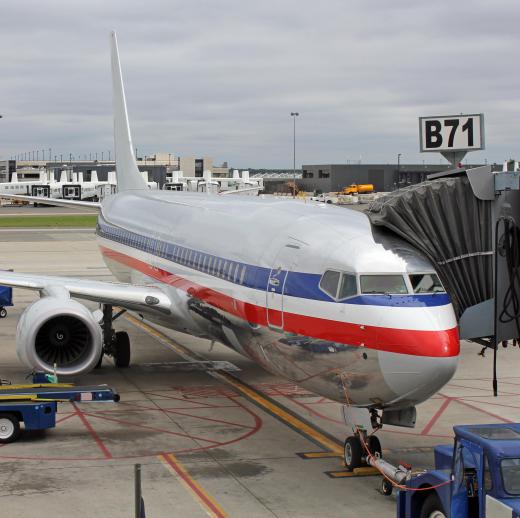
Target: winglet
{"x": 128, "y": 176}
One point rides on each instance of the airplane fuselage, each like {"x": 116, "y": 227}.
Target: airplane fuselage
{"x": 247, "y": 272}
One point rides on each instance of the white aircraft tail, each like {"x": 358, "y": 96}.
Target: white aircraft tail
{"x": 94, "y": 176}
{"x": 14, "y": 178}
{"x": 128, "y": 176}
{"x": 63, "y": 176}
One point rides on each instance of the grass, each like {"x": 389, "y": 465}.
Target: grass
{"x": 49, "y": 221}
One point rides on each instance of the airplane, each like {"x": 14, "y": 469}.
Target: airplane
{"x": 312, "y": 293}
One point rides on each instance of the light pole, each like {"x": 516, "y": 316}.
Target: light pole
{"x": 398, "y": 170}
{"x": 294, "y": 115}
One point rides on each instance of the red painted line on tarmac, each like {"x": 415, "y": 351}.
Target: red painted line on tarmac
{"x": 503, "y": 419}
{"x": 135, "y": 409}
{"x": 482, "y": 389}
{"x": 492, "y": 403}
{"x": 73, "y": 414}
{"x": 445, "y": 404}
{"x": 92, "y": 432}
{"x": 152, "y": 428}
{"x": 204, "y": 418}
{"x": 202, "y": 405}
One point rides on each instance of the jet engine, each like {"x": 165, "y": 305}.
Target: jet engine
{"x": 59, "y": 331}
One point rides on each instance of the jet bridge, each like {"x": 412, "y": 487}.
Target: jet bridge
{"x": 466, "y": 221}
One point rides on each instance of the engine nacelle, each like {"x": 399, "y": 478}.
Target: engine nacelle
{"x": 59, "y": 331}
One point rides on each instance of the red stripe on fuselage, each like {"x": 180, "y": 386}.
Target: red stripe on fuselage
{"x": 404, "y": 341}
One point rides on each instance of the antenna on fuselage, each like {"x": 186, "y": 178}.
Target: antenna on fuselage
{"x": 127, "y": 172}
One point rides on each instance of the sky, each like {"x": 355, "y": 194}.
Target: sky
{"x": 220, "y": 78}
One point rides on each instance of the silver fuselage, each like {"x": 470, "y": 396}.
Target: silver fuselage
{"x": 245, "y": 271}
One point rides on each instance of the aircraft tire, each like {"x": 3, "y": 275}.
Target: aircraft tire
{"x": 432, "y": 507}
{"x": 375, "y": 446}
{"x": 122, "y": 350}
{"x": 9, "y": 428}
{"x": 3, "y": 313}
{"x": 352, "y": 452}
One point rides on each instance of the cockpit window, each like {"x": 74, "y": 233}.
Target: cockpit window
{"x": 329, "y": 282}
{"x": 426, "y": 283}
{"x": 348, "y": 286}
{"x": 386, "y": 284}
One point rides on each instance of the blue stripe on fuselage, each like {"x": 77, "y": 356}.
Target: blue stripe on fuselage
{"x": 297, "y": 284}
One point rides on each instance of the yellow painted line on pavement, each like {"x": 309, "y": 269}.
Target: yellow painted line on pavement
{"x": 200, "y": 495}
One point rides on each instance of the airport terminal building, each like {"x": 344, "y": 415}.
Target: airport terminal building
{"x": 384, "y": 177}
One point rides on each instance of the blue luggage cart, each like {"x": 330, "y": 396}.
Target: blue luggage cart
{"x": 36, "y": 404}
{"x": 6, "y": 300}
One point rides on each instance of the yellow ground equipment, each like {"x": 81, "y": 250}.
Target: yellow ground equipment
{"x": 358, "y": 189}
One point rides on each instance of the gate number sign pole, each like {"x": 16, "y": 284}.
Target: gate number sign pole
{"x": 452, "y": 135}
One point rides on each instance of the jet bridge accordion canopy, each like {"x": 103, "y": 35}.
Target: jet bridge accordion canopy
{"x": 452, "y": 227}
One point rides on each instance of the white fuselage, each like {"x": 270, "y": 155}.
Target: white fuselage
{"x": 247, "y": 272}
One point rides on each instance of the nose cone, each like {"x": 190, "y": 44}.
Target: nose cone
{"x": 414, "y": 379}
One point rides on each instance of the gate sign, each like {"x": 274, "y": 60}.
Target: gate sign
{"x": 452, "y": 133}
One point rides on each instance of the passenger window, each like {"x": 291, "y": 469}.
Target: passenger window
{"x": 242, "y": 275}
{"x": 348, "y": 286}
{"x": 329, "y": 283}
{"x": 205, "y": 263}
{"x": 219, "y": 268}
{"x": 237, "y": 270}
{"x": 426, "y": 283}
{"x": 383, "y": 284}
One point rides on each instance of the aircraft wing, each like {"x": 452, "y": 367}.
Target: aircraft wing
{"x": 138, "y": 298}
{"x": 76, "y": 204}
{"x": 239, "y": 191}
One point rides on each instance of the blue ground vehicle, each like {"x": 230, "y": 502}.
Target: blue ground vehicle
{"x": 477, "y": 477}
{"x": 36, "y": 405}
{"x": 6, "y": 299}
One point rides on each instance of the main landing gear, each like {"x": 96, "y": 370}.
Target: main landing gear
{"x": 356, "y": 446}
{"x": 115, "y": 344}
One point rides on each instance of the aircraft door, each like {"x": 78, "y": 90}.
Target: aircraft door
{"x": 283, "y": 264}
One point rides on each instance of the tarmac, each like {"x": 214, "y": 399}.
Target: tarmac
{"x": 236, "y": 442}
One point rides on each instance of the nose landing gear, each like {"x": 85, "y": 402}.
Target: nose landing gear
{"x": 355, "y": 449}
{"x": 360, "y": 446}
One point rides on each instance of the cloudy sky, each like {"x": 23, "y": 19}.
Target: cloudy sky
{"x": 220, "y": 77}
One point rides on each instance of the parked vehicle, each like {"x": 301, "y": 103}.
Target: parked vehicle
{"x": 477, "y": 477}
